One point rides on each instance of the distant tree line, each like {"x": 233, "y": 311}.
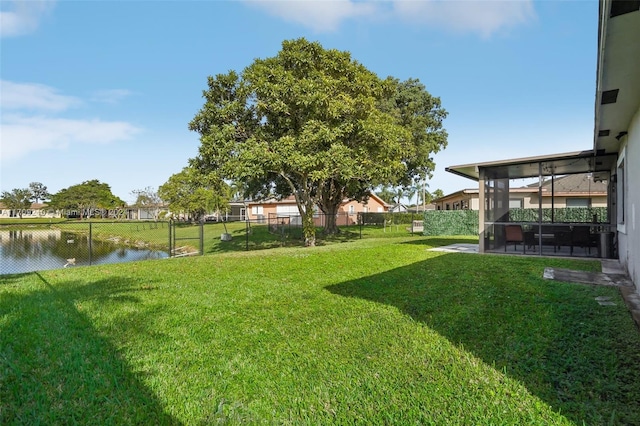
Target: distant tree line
{"x": 88, "y": 199}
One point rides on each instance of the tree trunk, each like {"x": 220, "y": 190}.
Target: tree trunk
{"x": 308, "y": 226}
{"x": 330, "y": 225}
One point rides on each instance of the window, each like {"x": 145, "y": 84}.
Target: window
{"x": 365, "y": 209}
{"x": 515, "y": 203}
{"x": 257, "y": 210}
{"x": 352, "y": 209}
{"x": 578, "y": 202}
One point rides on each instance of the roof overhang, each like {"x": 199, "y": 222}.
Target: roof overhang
{"x": 527, "y": 167}
{"x": 618, "y": 75}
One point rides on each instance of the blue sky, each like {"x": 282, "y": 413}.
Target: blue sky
{"x": 105, "y": 89}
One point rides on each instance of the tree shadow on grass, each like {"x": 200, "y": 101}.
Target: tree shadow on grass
{"x": 579, "y": 357}
{"x": 56, "y": 368}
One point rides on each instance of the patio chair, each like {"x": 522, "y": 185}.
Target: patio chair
{"x": 581, "y": 236}
{"x": 513, "y": 234}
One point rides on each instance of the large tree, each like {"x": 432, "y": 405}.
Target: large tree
{"x": 86, "y": 198}
{"x": 19, "y": 199}
{"x": 316, "y": 124}
{"x": 39, "y": 192}
{"x": 194, "y": 193}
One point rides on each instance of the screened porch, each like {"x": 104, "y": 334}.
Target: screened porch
{"x": 560, "y": 205}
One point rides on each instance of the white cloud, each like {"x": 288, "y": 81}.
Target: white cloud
{"x": 22, "y": 135}
{"x": 32, "y": 96}
{"x": 31, "y": 121}
{"x": 319, "y": 15}
{"x": 24, "y": 17}
{"x": 476, "y": 16}
{"x": 484, "y": 17}
{"x": 110, "y": 96}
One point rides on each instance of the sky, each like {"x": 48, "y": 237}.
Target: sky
{"x": 105, "y": 89}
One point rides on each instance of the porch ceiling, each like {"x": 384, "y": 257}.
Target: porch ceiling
{"x": 557, "y": 164}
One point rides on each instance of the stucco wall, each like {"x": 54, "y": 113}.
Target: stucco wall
{"x": 561, "y": 202}
{"x": 629, "y": 236}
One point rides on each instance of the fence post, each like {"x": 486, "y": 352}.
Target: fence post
{"x": 247, "y": 233}
{"x": 202, "y": 237}
{"x": 170, "y": 239}
{"x": 90, "y": 241}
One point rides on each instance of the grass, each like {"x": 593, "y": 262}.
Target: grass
{"x": 376, "y": 331}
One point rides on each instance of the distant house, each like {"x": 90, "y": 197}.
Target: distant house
{"x": 236, "y": 211}
{"x": 398, "y": 208}
{"x": 261, "y": 211}
{"x": 35, "y": 211}
{"x": 579, "y": 190}
{"x": 465, "y": 199}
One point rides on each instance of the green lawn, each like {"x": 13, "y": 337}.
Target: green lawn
{"x": 372, "y": 331}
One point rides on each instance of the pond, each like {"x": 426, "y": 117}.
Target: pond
{"x": 28, "y": 250}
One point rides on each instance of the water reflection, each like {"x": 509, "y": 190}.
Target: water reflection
{"x": 26, "y": 250}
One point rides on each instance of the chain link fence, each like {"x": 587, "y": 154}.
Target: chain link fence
{"x": 27, "y": 246}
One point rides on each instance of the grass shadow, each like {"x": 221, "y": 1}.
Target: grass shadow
{"x": 579, "y": 357}
{"x": 56, "y": 368}
{"x": 430, "y": 242}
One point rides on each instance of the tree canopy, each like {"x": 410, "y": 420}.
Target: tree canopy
{"x": 38, "y": 192}
{"x": 194, "y": 193}
{"x": 86, "y": 198}
{"x": 316, "y": 124}
{"x": 19, "y": 199}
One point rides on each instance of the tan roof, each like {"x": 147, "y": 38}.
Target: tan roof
{"x": 574, "y": 184}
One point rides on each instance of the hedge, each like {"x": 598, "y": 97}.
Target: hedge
{"x": 450, "y": 222}
{"x": 465, "y": 222}
{"x": 570, "y": 214}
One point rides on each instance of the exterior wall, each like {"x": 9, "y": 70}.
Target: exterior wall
{"x": 559, "y": 202}
{"x": 458, "y": 201}
{"x": 268, "y": 207}
{"x": 629, "y": 232}
{"x": 373, "y": 205}
{"x": 474, "y": 203}
{"x": 348, "y": 208}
